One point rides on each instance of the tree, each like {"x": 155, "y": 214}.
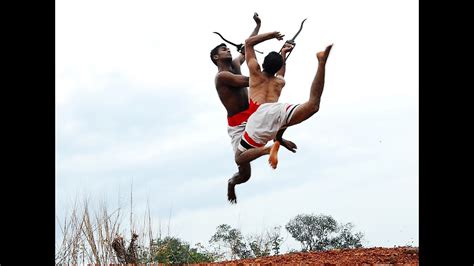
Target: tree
{"x": 312, "y": 231}
{"x": 259, "y": 245}
{"x": 174, "y": 250}
{"x": 263, "y": 244}
{"x": 275, "y": 239}
{"x": 232, "y": 239}
{"x": 319, "y": 232}
{"x": 346, "y": 239}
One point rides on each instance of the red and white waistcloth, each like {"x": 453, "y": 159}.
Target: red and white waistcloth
{"x": 264, "y": 123}
{"x": 237, "y": 123}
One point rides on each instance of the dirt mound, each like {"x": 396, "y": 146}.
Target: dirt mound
{"x": 361, "y": 256}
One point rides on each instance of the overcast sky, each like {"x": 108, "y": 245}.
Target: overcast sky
{"x": 136, "y": 104}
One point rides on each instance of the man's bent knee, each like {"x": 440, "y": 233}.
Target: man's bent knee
{"x": 238, "y": 158}
{"x": 245, "y": 172}
{"x": 314, "y": 109}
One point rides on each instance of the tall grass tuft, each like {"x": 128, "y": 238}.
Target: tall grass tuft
{"x": 95, "y": 236}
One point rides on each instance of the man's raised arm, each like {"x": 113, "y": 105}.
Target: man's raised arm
{"x": 250, "y": 55}
{"x": 287, "y": 47}
{"x": 257, "y": 27}
{"x": 239, "y": 60}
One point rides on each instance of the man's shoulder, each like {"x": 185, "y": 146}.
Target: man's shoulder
{"x": 223, "y": 80}
{"x": 222, "y": 76}
{"x": 252, "y": 63}
{"x": 280, "y": 77}
{"x": 279, "y": 80}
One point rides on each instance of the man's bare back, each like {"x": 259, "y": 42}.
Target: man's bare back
{"x": 264, "y": 87}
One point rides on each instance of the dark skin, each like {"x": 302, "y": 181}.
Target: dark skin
{"x": 232, "y": 88}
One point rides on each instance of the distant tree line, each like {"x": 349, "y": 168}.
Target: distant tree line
{"x": 96, "y": 240}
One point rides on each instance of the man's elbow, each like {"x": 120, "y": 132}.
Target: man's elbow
{"x": 249, "y": 42}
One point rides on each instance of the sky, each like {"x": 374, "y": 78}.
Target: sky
{"x": 137, "y": 111}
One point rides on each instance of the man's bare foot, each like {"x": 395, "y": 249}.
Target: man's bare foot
{"x": 231, "y": 197}
{"x": 323, "y": 55}
{"x": 273, "y": 159}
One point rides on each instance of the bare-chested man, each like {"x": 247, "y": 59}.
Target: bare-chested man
{"x": 231, "y": 87}
{"x": 272, "y": 117}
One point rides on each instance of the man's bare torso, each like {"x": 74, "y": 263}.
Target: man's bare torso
{"x": 265, "y": 88}
{"x": 234, "y": 99}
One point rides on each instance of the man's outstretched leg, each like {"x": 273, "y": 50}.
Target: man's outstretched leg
{"x": 242, "y": 176}
{"x": 243, "y": 159}
{"x": 250, "y": 154}
{"x": 309, "y": 108}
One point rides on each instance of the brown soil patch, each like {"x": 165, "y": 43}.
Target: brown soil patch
{"x": 362, "y": 256}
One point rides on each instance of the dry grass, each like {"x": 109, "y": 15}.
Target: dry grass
{"x": 88, "y": 236}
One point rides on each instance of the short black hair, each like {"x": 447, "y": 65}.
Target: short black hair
{"x": 272, "y": 63}
{"x": 214, "y": 52}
